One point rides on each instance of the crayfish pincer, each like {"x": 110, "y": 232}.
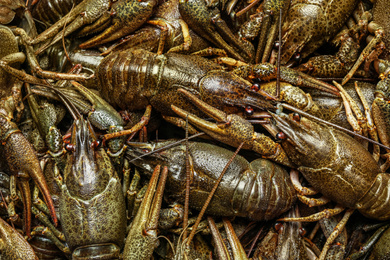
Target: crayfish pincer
{"x": 336, "y": 165}
{"x": 13, "y": 245}
{"x": 92, "y": 205}
{"x": 23, "y": 162}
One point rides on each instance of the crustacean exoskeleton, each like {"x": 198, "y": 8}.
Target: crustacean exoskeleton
{"x": 89, "y": 188}
{"x": 164, "y": 32}
{"x": 21, "y": 157}
{"x": 233, "y": 129}
{"x": 265, "y": 23}
{"x": 142, "y": 237}
{"x": 128, "y": 15}
{"x": 162, "y": 75}
{"x": 206, "y": 21}
{"x": 380, "y": 27}
{"x": 336, "y": 165}
{"x": 154, "y": 79}
{"x": 309, "y": 24}
{"x": 13, "y": 244}
{"x": 48, "y": 13}
{"x": 377, "y": 245}
{"x": 261, "y": 181}
{"x": 348, "y": 58}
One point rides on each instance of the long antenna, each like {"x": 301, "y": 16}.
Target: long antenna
{"x": 279, "y": 51}
{"x": 69, "y": 105}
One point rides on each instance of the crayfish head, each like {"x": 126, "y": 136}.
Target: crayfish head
{"x": 307, "y": 143}
{"x": 87, "y": 171}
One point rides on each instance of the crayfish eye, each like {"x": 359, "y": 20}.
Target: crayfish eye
{"x": 145, "y": 150}
{"x": 95, "y": 144}
{"x": 255, "y": 87}
{"x": 276, "y": 45}
{"x": 297, "y": 57}
{"x": 296, "y": 117}
{"x": 249, "y": 110}
{"x": 281, "y": 136}
{"x": 70, "y": 147}
{"x": 278, "y": 226}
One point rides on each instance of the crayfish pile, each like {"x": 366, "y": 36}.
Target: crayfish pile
{"x": 194, "y": 129}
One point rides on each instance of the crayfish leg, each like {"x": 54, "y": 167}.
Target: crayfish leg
{"x": 326, "y": 213}
{"x": 26, "y": 194}
{"x": 144, "y": 226}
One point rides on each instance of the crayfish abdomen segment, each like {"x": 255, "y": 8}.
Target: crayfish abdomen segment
{"x": 121, "y": 77}
{"x": 264, "y": 191}
{"x": 376, "y": 202}
{"x": 260, "y": 190}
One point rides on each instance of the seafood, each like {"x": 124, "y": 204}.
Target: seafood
{"x": 206, "y": 21}
{"x": 247, "y": 189}
{"x": 285, "y": 242}
{"x": 381, "y": 248}
{"x": 135, "y": 79}
{"x": 49, "y": 12}
{"x": 7, "y": 13}
{"x": 153, "y": 79}
{"x": 237, "y": 251}
{"x": 135, "y": 94}
{"x": 142, "y": 238}
{"x": 379, "y": 43}
{"x": 265, "y": 23}
{"x": 333, "y": 65}
{"x": 92, "y": 11}
{"x": 381, "y": 17}
{"x": 19, "y": 153}
{"x": 377, "y": 244}
{"x": 232, "y": 129}
{"x": 165, "y": 32}
{"x": 13, "y": 245}
{"x": 308, "y": 25}
{"x": 45, "y": 249}
{"x": 336, "y": 165}
{"x": 128, "y": 15}
{"x": 91, "y": 187}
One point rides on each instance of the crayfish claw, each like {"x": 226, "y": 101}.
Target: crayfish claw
{"x": 129, "y": 16}
{"x": 216, "y": 114}
{"x": 13, "y": 243}
{"x": 198, "y": 122}
{"x": 233, "y": 130}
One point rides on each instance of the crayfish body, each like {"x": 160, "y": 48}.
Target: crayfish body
{"x": 260, "y": 190}
{"x": 134, "y": 78}
{"x": 336, "y": 165}
{"x": 92, "y": 205}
